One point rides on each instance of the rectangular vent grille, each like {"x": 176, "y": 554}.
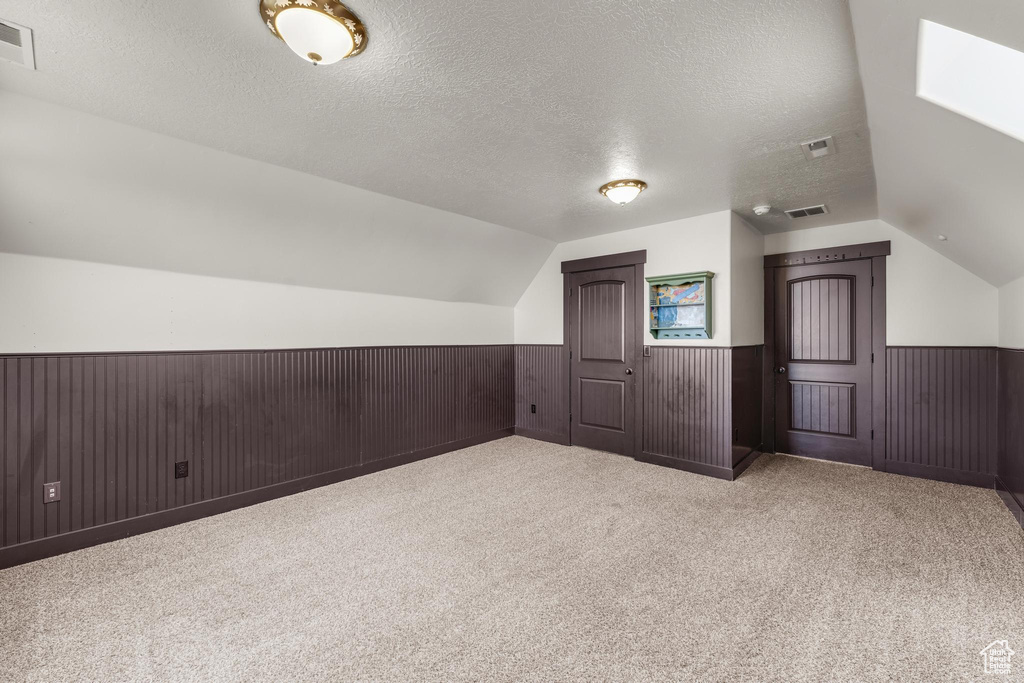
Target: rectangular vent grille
{"x": 815, "y": 149}
{"x": 16, "y": 44}
{"x": 10, "y": 35}
{"x": 818, "y": 210}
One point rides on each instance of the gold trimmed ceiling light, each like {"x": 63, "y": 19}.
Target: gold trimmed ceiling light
{"x": 319, "y": 31}
{"x": 622, "y": 192}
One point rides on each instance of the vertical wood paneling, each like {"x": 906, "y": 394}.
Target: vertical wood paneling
{"x": 747, "y": 377}
{"x": 602, "y": 321}
{"x": 688, "y": 403}
{"x": 942, "y": 408}
{"x": 111, "y": 427}
{"x": 823, "y": 407}
{"x": 542, "y": 379}
{"x": 820, "y": 319}
{"x": 1011, "y": 424}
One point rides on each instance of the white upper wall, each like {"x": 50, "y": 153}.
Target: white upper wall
{"x": 691, "y": 244}
{"x": 80, "y": 187}
{"x": 1011, "y": 315}
{"x": 930, "y": 300}
{"x": 747, "y": 283}
{"x": 54, "y": 305}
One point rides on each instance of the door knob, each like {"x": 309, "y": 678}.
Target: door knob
{"x": 781, "y": 371}
{"x": 629, "y": 371}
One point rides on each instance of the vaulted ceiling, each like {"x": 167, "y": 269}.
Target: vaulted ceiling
{"x": 510, "y": 113}
{"x": 940, "y": 173}
{"x": 483, "y": 129}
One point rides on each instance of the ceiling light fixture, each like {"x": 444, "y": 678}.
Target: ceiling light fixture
{"x": 762, "y": 209}
{"x": 319, "y": 31}
{"x": 622, "y": 192}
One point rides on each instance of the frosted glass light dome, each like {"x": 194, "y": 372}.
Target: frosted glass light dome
{"x": 318, "y": 31}
{"x": 314, "y": 36}
{"x": 622, "y": 192}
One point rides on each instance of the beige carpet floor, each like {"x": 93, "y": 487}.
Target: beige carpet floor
{"x": 524, "y": 560}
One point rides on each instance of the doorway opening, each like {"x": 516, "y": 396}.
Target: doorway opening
{"x": 603, "y": 337}
{"x": 824, "y": 369}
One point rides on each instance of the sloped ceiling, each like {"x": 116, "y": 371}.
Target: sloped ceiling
{"x": 938, "y": 172}
{"x": 512, "y": 113}
{"x": 77, "y": 186}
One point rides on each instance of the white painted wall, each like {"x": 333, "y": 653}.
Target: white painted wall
{"x": 55, "y": 305}
{"x": 930, "y": 300}
{"x": 690, "y": 244}
{"x": 1011, "y": 315}
{"x": 747, "y": 283}
{"x": 76, "y": 186}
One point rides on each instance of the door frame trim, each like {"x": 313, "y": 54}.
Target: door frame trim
{"x": 876, "y": 253}
{"x": 626, "y": 258}
{"x": 636, "y": 260}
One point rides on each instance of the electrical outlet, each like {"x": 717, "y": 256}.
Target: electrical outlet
{"x": 181, "y": 469}
{"x": 533, "y": 407}
{"x": 51, "y": 492}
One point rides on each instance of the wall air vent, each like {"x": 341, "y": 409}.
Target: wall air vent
{"x": 815, "y": 149}
{"x": 16, "y": 44}
{"x": 818, "y": 210}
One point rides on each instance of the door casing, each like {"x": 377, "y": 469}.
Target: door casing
{"x": 635, "y": 260}
{"x": 876, "y": 253}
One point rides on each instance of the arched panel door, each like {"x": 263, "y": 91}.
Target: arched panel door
{"x": 823, "y": 361}
{"x": 602, "y": 319}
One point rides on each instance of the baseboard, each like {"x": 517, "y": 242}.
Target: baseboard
{"x": 746, "y": 462}
{"x": 1015, "y": 507}
{"x": 689, "y": 466}
{"x": 941, "y": 474}
{"x": 85, "y": 538}
{"x": 540, "y": 435}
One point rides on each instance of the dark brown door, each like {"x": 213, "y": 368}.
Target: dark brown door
{"x": 602, "y": 345}
{"x": 823, "y": 361}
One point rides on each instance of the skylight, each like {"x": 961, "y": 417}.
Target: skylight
{"x": 971, "y": 76}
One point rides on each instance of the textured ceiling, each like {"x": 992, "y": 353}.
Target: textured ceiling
{"x": 938, "y": 172}
{"x": 509, "y": 113}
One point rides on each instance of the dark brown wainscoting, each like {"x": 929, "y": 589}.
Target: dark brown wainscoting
{"x": 747, "y": 376}
{"x": 687, "y": 407}
{"x": 702, "y": 408}
{"x": 252, "y": 425}
{"x": 701, "y": 405}
{"x": 1010, "y": 468}
{"x": 542, "y": 381}
{"x": 942, "y": 417}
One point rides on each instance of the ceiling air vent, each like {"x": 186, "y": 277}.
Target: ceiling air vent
{"x": 818, "y": 210}
{"x": 16, "y": 44}
{"x": 815, "y": 149}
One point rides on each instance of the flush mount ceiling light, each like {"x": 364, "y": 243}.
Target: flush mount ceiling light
{"x": 319, "y": 31}
{"x": 622, "y": 192}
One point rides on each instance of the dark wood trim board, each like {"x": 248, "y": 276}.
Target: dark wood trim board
{"x": 540, "y": 435}
{"x": 852, "y": 252}
{"x": 715, "y": 471}
{"x": 1015, "y": 507}
{"x": 627, "y": 258}
{"x": 953, "y": 476}
{"x": 879, "y": 410}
